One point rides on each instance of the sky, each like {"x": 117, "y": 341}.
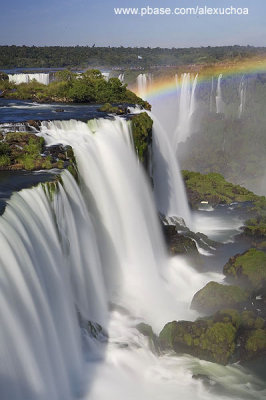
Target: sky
{"x": 87, "y": 22}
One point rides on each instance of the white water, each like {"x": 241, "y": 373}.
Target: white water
{"x": 242, "y": 94}
{"x": 81, "y": 250}
{"x": 121, "y": 77}
{"x": 144, "y": 82}
{"x": 169, "y": 187}
{"x": 220, "y": 106}
{"x": 26, "y": 78}
{"x": 187, "y": 107}
{"x": 212, "y": 97}
{"x": 169, "y": 190}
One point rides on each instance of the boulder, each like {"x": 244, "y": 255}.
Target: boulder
{"x": 215, "y": 296}
{"x": 208, "y": 340}
{"x": 226, "y": 337}
{"x": 177, "y": 243}
{"x": 248, "y": 269}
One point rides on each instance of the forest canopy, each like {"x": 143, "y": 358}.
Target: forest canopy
{"x": 123, "y": 57}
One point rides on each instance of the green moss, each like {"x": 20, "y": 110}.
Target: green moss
{"x": 108, "y": 108}
{"x": 215, "y": 189}
{"x": 167, "y": 335}
{"x": 142, "y": 132}
{"x": 215, "y": 296}
{"x": 256, "y": 341}
{"x": 60, "y": 164}
{"x": 206, "y": 339}
{"x": 249, "y": 267}
{"x": 4, "y": 161}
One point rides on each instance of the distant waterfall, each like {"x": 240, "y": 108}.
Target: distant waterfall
{"x": 242, "y": 94}
{"x": 144, "y": 81}
{"x": 26, "y": 78}
{"x": 187, "y": 106}
{"x": 212, "y": 94}
{"x": 220, "y": 106}
{"x": 121, "y": 77}
{"x": 106, "y": 75}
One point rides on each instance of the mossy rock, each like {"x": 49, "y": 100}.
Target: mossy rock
{"x": 214, "y": 188}
{"x": 215, "y": 296}
{"x": 248, "y": 268}
{"x": 253, "y": 344}
{"x": 110, "y": 109}
{"x": 208, "y": 340}
{"x": 142, "y": 134}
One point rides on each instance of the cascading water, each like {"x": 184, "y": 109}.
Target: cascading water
{"x": 67, "y": 248}
{"x": 242, "y": 94}
{"x": 169, "y": 187}
{"x": 212, "y": 97}
{"x": 187, "y": 106}
{"x": 220, "y": 106}
{"x": 144, "y": 81}
{"x": 121, "y": 77}
{"x": 26, "y": 78}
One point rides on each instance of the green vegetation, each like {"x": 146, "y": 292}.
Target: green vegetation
{"x": 215, "y": 296}
{"x": 232, "y": 146}
{"x": 222, "y": 338}
{"x": 212, "y": 187}
{"x": 248, "y": 268}
{"x": 142, "y": 134}
{"x": 110, "y": 109}
{"x": 23, "y": 150}
{"x": 85, "y": 56}
{"x": 206, "y": 339}
{"x": 88, "y": 87}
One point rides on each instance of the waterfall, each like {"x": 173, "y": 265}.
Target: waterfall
{"x": 220, "y": 106}
{"x": 144, "y": 82}
{"x": 121, "y": 77}
{"x": 26, "y": 78}
{"x": 242, "y": 94}
{"x": 68, "y": 247}
{"x": 212, "y": 97}
{"x": 169, "y": 187}
{"x": 187, "y": 106}
{"x": 121, "y": 202}
{"x": 40, "y": 345}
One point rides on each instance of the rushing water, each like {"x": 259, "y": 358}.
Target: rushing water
{"x": 85, "y": 248}
{"x": 187, "y": 106}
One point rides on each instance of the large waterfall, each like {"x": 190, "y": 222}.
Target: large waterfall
{"x": 187, "y": 106}
{"x": 88, "y": 247}
{"x": 26, "y": 78}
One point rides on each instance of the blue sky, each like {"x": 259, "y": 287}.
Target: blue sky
{"x": 84, "y": 22}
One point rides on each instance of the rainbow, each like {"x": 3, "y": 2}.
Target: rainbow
{"x": 168, "y": 85}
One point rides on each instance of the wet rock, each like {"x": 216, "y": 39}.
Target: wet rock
{"x": 146, "y": 330}
{"x": 205, "y": 339}
{"x": 178, "y": 243}
{"x": 248, "y": 269}
{"x": 215, "y": 296}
